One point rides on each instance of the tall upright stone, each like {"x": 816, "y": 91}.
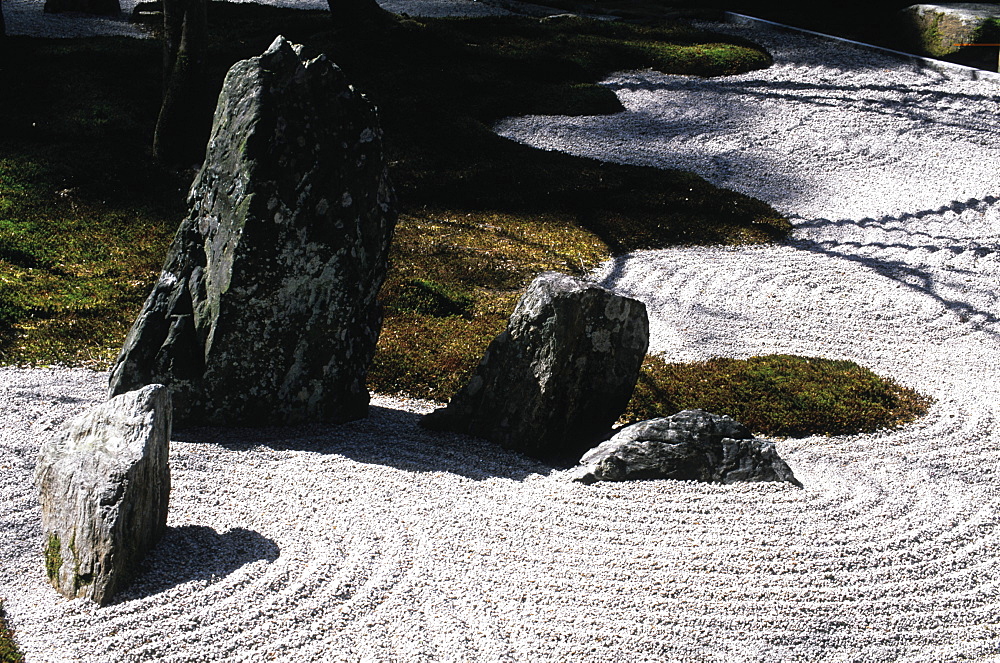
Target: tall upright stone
{"x": 558, "y": 378}
{"x": 104, "y": 486}
{"x": 266, "y": 309}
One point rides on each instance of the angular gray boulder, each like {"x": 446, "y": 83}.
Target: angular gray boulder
{"x": 940, "y": 29}
{"x": 558, "y": 378}
{"x": 692, "y": 445}
{"x": 104, "y": 484}
{"x": 265, "y": 312}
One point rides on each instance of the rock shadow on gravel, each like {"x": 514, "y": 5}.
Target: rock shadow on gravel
{"x": 196, "y": 553}
{"x": 388, "y": 437}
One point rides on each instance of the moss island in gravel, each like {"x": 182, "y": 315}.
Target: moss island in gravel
{"x": 777, "y": 395}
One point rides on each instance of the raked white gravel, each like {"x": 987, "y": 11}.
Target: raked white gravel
{"x": 377, "y": 541}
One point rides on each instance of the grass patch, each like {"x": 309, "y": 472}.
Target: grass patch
{"x": 778, "y": 395}
{"x": 8, "y": 648}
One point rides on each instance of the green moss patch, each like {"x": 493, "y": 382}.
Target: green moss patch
{"x": 430, "y": 357}
{"x": 778, "y": 395}
{"x": 9, "y": 652}
{"x": 426, "y": 297}
{"x": 582, "y": 48}
{"x": 53, "y": 556}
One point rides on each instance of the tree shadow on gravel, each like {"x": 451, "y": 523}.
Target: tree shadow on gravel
{"x": 833, "y": 95}
{"x": 196, "y": 553}
{"x": 36, "y": 396}
{"x": 924, "y": 280}
{"x": 955, "y": 206}
{"x": 387, "y": 437}
{"x": 916, "y": 278}
{"x": 734, "y": 112}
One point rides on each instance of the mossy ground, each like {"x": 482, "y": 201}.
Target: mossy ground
{"x": 777, "y": 395}
{"x": 85, "y": 215}
{"x": 9, "y": 652}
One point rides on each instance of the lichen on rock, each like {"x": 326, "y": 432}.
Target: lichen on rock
{"x": 266, "y": 309}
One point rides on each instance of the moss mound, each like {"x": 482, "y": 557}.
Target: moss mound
{"x": 778, "y": 395}
{"x": 8, "y": 650}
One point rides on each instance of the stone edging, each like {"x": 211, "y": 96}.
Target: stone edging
{"x": 957, "y": 70}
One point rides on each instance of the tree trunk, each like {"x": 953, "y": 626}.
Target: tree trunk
{"x": 173, "y": 27}
{"x": 183, "y": 124}
{"x": 347, "y": 12}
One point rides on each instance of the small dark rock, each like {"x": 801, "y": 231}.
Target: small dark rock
{"x": 692, "y": 445}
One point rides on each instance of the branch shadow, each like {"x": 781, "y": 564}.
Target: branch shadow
{"x": 929, "y": 279}
{"x": 956, "y": 206}
{"x": 906, "y": 102}
{"x": 913, "y": 277}
{"x": 857, "y": 98}
{"x": 196, "y": 553}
